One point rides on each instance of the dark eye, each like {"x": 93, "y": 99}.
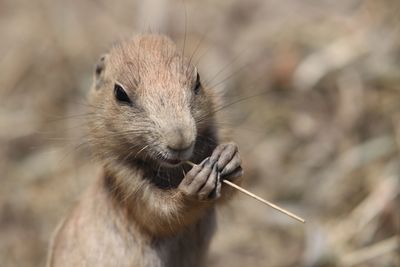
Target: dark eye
{"x": 121, "y": 95}
{"x": 197, "y": 85}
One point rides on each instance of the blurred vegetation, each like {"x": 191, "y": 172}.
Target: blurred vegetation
{"x": 320, "y": 138}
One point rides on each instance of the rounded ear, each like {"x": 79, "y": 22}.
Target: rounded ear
{"x": 99, "y": 70}
{"x": 100, "y": 66}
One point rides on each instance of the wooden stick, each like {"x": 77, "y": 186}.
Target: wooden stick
{"x": 264, "y": 201}
{"x": 258, "y": 198}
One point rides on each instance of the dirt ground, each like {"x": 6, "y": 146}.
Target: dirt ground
{"x": 315, "y": 93}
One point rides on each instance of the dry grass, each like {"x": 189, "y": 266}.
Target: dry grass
{"x": 321, "y": 138}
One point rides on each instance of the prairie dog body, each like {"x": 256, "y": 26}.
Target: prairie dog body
{"x": 150, "y": 113}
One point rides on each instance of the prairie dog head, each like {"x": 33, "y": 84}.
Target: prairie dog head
{"x": 148, "y": 103}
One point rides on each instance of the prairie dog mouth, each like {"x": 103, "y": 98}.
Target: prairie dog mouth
{"x": 174, "y": 158}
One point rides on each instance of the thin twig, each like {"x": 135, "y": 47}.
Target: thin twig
{"x": 258, "y": 198}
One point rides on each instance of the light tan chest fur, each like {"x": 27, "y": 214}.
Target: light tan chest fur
{"x": 96, "y": 234}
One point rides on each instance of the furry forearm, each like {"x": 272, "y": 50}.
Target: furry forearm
{"x": 164, "y": 212}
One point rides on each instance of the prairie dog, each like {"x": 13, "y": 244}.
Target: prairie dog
{"x": 149, "y": 114}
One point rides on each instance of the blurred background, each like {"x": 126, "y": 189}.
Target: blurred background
{"x": 315, "y": 87}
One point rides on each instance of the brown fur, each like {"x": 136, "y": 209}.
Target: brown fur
{"x": 135, "y": 214}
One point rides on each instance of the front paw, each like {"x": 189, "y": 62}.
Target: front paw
{"x": 202, "y": 182}
{"x": 228, "y": 161}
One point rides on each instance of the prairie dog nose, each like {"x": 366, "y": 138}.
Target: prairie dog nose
{"x": 180, "y": 139}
